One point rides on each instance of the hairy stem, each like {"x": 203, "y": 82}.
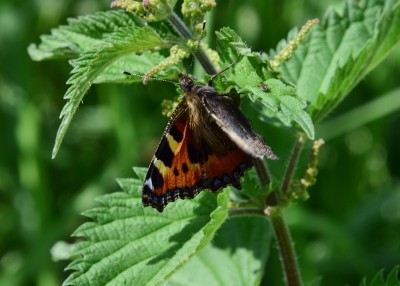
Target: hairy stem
{"x": 286, "y": 251}
{"x": 287, "y": 179}
{"x": 246, "y": 212}
{"x": 186, "y": 34}
{"x": 282, "y": 235}
{"x": 262, "y": 172}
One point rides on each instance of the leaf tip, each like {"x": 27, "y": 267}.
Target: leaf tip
{"x": 54, "y": 152}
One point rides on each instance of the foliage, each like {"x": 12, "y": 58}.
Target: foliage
{"x": 379, "y": 280}
{"x": 123, "y": 231}
{"x": 341, "y": 51}
{"x": 107, "y": 238}
{"x": 347, "y": 230}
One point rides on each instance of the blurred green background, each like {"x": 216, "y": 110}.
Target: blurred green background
{"x": 350, "y": 227}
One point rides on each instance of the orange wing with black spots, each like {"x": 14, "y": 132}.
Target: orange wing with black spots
{"x": 171, "y": 175}
{"x": 226, "y": 169}
{"x": 181, "y": 169}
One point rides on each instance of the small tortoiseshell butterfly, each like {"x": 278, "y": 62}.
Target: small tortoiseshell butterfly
{"x": 208, "y": 144}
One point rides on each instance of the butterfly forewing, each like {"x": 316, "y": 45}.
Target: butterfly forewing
{"x": 171, "y": 175}
{"x": 236, "y": 126}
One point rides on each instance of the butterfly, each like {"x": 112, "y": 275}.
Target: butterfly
{"x": 207, "y": 144}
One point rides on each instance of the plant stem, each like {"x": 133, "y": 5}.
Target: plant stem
{"x": 286, "y": 251}
{"x": 186, "y": 34}
{"x": 282, "y": 235}
{"x": 287, "y": 179}
{"x": 246, "y": 212}
{"x": 262, "y": 172}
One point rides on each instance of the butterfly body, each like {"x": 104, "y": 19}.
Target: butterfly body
{"x": 208, "y": 144}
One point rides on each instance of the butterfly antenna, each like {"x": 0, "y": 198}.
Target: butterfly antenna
{"x": 224, "y": 70}
{"x": 146, "y": 78}
{"x": 198, "y": 44}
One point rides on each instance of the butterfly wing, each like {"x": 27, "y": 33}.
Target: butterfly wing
{"x": 208, "y": 144}
{"x": 226, "y": 169}
{"x": 171, "y": 174}
{"x": 236, "y": 126}
{"x": 182, "y": 167}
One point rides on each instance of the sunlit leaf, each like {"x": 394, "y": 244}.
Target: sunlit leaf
{"x": 280, "y": 101}
{"x": 90, "y": 64}
{"x": 81, "y": 34}
{"x": 127, "y": 244}
{"x": 340, "y": 51}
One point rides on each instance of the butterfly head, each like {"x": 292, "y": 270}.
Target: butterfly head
{"x": 187, "y": 83}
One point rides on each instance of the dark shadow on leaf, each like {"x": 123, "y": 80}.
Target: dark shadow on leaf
{"x": 207, "y": 203}
{"x": 257, "y": 67}
{"x": 245, "y": 232}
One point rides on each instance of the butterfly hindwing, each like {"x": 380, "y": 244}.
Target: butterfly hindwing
{"x": 226, "y": 169}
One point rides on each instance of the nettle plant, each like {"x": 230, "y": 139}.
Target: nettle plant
{"x": 295, "y": 86}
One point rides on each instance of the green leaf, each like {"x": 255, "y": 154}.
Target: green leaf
{"x": 379, "y": 280}
{"x": 81, "y": 34}
{"x": 315, "y": 282}
{"x": 253, "y": 190}
{"x": 393, "y": 277}
{"x": 237, "y": 255}
{"x": 135, "y": 64}
{"x": 127, "y": 244}
{"x": 91, "y": 64}
{"x": 280, "y": 101}
{"x": 383, "y": 105}
{"x": 341, "y": 51}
